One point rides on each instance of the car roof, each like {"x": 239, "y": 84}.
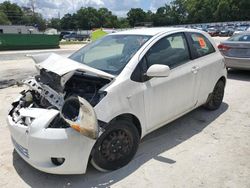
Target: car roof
{"x": 150, "y": 31}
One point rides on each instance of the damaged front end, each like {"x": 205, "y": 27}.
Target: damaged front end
{"x": 71, "y": 94}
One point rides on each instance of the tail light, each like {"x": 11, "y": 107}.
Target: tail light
{"x": 223, "y": 47}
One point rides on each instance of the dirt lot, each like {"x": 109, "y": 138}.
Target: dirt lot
{"x": 201, "y": 149}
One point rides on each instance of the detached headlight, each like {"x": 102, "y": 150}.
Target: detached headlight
{"x": 80, "y": 115}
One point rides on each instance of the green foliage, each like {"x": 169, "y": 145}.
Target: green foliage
{"x": 3, "y": 18}
{"x": 136, "y": 15}
{"x": 13, "y": 12}
{"x": 106, "y": 18}
{"x": 217, "y": 10}
{"x": 177, "y": 12}
{"x": 69, "y": 22}
{"x": 123, "y": 23}
{"x": 55, "y": 23}
{"x": 87, "y": 18}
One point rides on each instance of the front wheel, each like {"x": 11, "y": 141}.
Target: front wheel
{"x": 216, "y": 97}
{"x": 116, "y": 146}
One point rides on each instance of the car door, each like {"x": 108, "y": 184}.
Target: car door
{"x": 167, "y": 97}
{"x": 208, "y": 61}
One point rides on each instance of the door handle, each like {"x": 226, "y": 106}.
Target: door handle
{"x": 195, "y": 69}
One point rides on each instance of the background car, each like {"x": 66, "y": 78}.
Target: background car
{"x": 213, "y": 31}
{"x": 240, "y": 30}
{"x": 75, "y": 37}
{"x": 236, "y": 51}
{"x": 226, "y": 31}
{"x": 64, "y": 33}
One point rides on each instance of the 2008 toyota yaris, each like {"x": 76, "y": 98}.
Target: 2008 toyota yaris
{"x": 97, "y": 104}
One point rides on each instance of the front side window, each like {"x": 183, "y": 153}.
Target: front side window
{"x": 201, "y": 45}
{"x": 171, "y": 51}
{"x": 110, "y": 53}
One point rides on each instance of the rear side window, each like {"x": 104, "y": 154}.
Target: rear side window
{"x": 171, "y": 50}
{"x": 240, "y": 37}
{"x": 200, "y": 45}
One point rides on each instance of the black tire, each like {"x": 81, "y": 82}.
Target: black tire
{"x": 216, "y": 97}
{"x": 116, "y": 146}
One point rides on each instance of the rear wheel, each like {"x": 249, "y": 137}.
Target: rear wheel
{"x": 116, "y": 146}
{"x": 216, "y": 97}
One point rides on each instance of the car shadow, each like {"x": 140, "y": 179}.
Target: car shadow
{"x": 151, "y": 147}
{"x": 235, "y": 74}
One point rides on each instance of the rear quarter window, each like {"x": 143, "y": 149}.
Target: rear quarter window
{"x": 240, "y": 37}
{"x": 200, "y": 45}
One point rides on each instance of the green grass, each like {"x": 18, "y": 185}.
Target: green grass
{"x": 97, "y": 34}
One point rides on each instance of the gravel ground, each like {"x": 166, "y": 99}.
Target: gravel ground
{"x": 200, "y": 149}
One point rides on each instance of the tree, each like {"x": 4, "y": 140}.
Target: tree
{"x": 4, "y": 19}
{"x": 178, "y": 11}
{"x": 164, "y": 16}
{"x": 38, "y": 21}
{"x": 87, "y": 18}
{"x": 69, "y": 22}
{"x": 13, "y": 12}
{"x": 106, "y": 18}
{"x": 123, "y": 23}
{"x": 159, "y": 18}
{"x": 149, "y": 15}
{"x": 103, "y": 15}
{"x": 135, "y": 16}
{"x": 222, "y": 12}
{"x": 55, "y": 23}
{"x": 240, "y": 9}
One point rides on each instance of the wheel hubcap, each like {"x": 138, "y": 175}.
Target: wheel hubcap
{"x": 116, "y": 145}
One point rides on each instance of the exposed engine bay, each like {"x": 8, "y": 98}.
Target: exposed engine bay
{"x": 47, "y": 94}
{"x": 80, "y": 94}
{"x": 69, "y": 89}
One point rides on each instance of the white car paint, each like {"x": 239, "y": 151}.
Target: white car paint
{"x": 62, "y": 65}
{"x": 154, "y": 103}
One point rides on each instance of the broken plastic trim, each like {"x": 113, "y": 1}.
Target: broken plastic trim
{"x": 80, "y": 115}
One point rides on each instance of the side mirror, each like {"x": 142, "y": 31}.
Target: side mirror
{"x": 158, "y": 70}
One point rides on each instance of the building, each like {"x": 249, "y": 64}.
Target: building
{"x": 18, "y": 29}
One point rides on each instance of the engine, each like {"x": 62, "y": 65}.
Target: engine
{"x": 86, "y": 86}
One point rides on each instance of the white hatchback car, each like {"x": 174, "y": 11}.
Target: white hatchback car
{"x": 97, "y": 104}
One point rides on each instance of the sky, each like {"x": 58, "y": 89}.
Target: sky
{"x": 54, "y": 8}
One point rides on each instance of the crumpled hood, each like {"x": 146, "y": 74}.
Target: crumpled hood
{"x": 62, "y": 65}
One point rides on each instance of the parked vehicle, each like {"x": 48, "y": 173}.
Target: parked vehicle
{"x": 240, "y": 30}
{"x": 226, "y": 31}
{"x": 97, "y": 104}
{"x": 62, "y": 33}
{"x": 74, "y": 36}
{"x": 236, "y": 51}
{"x": 213, "y": 31}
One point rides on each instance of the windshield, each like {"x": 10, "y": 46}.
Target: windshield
{"x": 110, "y": 53}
